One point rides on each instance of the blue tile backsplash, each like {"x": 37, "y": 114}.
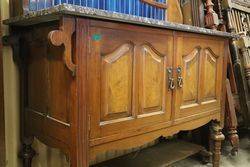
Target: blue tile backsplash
{"x": 132, "y": 7}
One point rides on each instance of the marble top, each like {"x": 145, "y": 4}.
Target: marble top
{"x": 54, "y": 12}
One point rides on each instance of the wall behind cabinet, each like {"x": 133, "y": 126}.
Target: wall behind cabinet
{"x": 2, "y": 123}
{"x": 11, "y": 98}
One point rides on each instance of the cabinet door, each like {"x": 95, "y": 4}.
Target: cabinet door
{"x": 127, "y": 73}
{"x": 199, "y": 71}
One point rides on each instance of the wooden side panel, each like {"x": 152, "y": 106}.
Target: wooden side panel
{"x": 152, "y": 81}
{"x": 49, "y": 82}
{"x": 117, "y": 79}
{"x": 50, "y": 103}
{"x": 59, "y": 81}
{"x": 37, "y": 78}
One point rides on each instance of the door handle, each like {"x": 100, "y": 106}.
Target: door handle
{"x": 179, "y": 78}
{"x": 171, "y": 84}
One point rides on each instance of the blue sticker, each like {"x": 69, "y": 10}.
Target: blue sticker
{"x": 96, "y": 37}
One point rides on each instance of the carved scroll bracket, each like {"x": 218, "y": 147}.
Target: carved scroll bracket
{"x": 63, "y": 37}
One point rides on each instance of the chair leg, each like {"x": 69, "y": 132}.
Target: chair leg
{"x": 231, "y": 119}
{"x": 234, "y": 140}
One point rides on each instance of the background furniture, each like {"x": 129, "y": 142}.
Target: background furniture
{"x": 193, "y": 12}
{"x": 231, "y": 123}
{"x": 238, "y": 21}
{"x": 174, "y": 7}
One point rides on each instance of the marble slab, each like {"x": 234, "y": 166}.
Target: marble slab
{"x": 55, "y": 12}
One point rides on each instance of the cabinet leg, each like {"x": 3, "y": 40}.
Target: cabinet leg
{"x": 217, "y": 137}
{"x": 234, "y": 140}
{"x": 27, "y": 153}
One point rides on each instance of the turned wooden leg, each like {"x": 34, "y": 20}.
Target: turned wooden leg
{"x": 217, "y": 137}
{"x": 27, "y": 153}
{"x": 231, "y": 119}
{"x": 234, "y": 140}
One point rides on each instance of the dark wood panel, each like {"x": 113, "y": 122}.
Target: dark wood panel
{"x": 18, "y": 7}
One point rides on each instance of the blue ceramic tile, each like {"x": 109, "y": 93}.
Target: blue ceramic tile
{"x": 48, "y": 3}
{"x": 32, "y": 5}
{"x": 123, "y": 8}
{"x": 77, "y": 2}
{"x": 83, "y": 2}
{"x": 127, "y": 7}
{"x": 111, "y": 5}
{"x": 41, "y": 4}
{"x": 117, "y": 5}
{"x": 70, "y": 1}
{"x": 132, "y": 7}
{"x": 89, "y": 3}
{"x": 56, "y": 2}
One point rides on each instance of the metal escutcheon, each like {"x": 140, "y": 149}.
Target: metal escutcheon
{"x": 171, "y": 84}
{"x": 179, "y": 78}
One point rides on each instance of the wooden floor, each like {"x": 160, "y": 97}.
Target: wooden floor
{"x": 160, "y": 155}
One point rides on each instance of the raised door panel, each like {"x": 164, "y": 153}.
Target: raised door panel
{"x": 210, "y": 72}
{"x": 116, "y": 81}
{"x": 191, "y": 78}
{"x": 152, "y": 81}
{"x": 201, "y": 65}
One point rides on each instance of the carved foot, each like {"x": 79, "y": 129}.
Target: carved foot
{"x": 234, "y": 140}
{"x": 217, "y": 137}
{"x": 27, "y": 153}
